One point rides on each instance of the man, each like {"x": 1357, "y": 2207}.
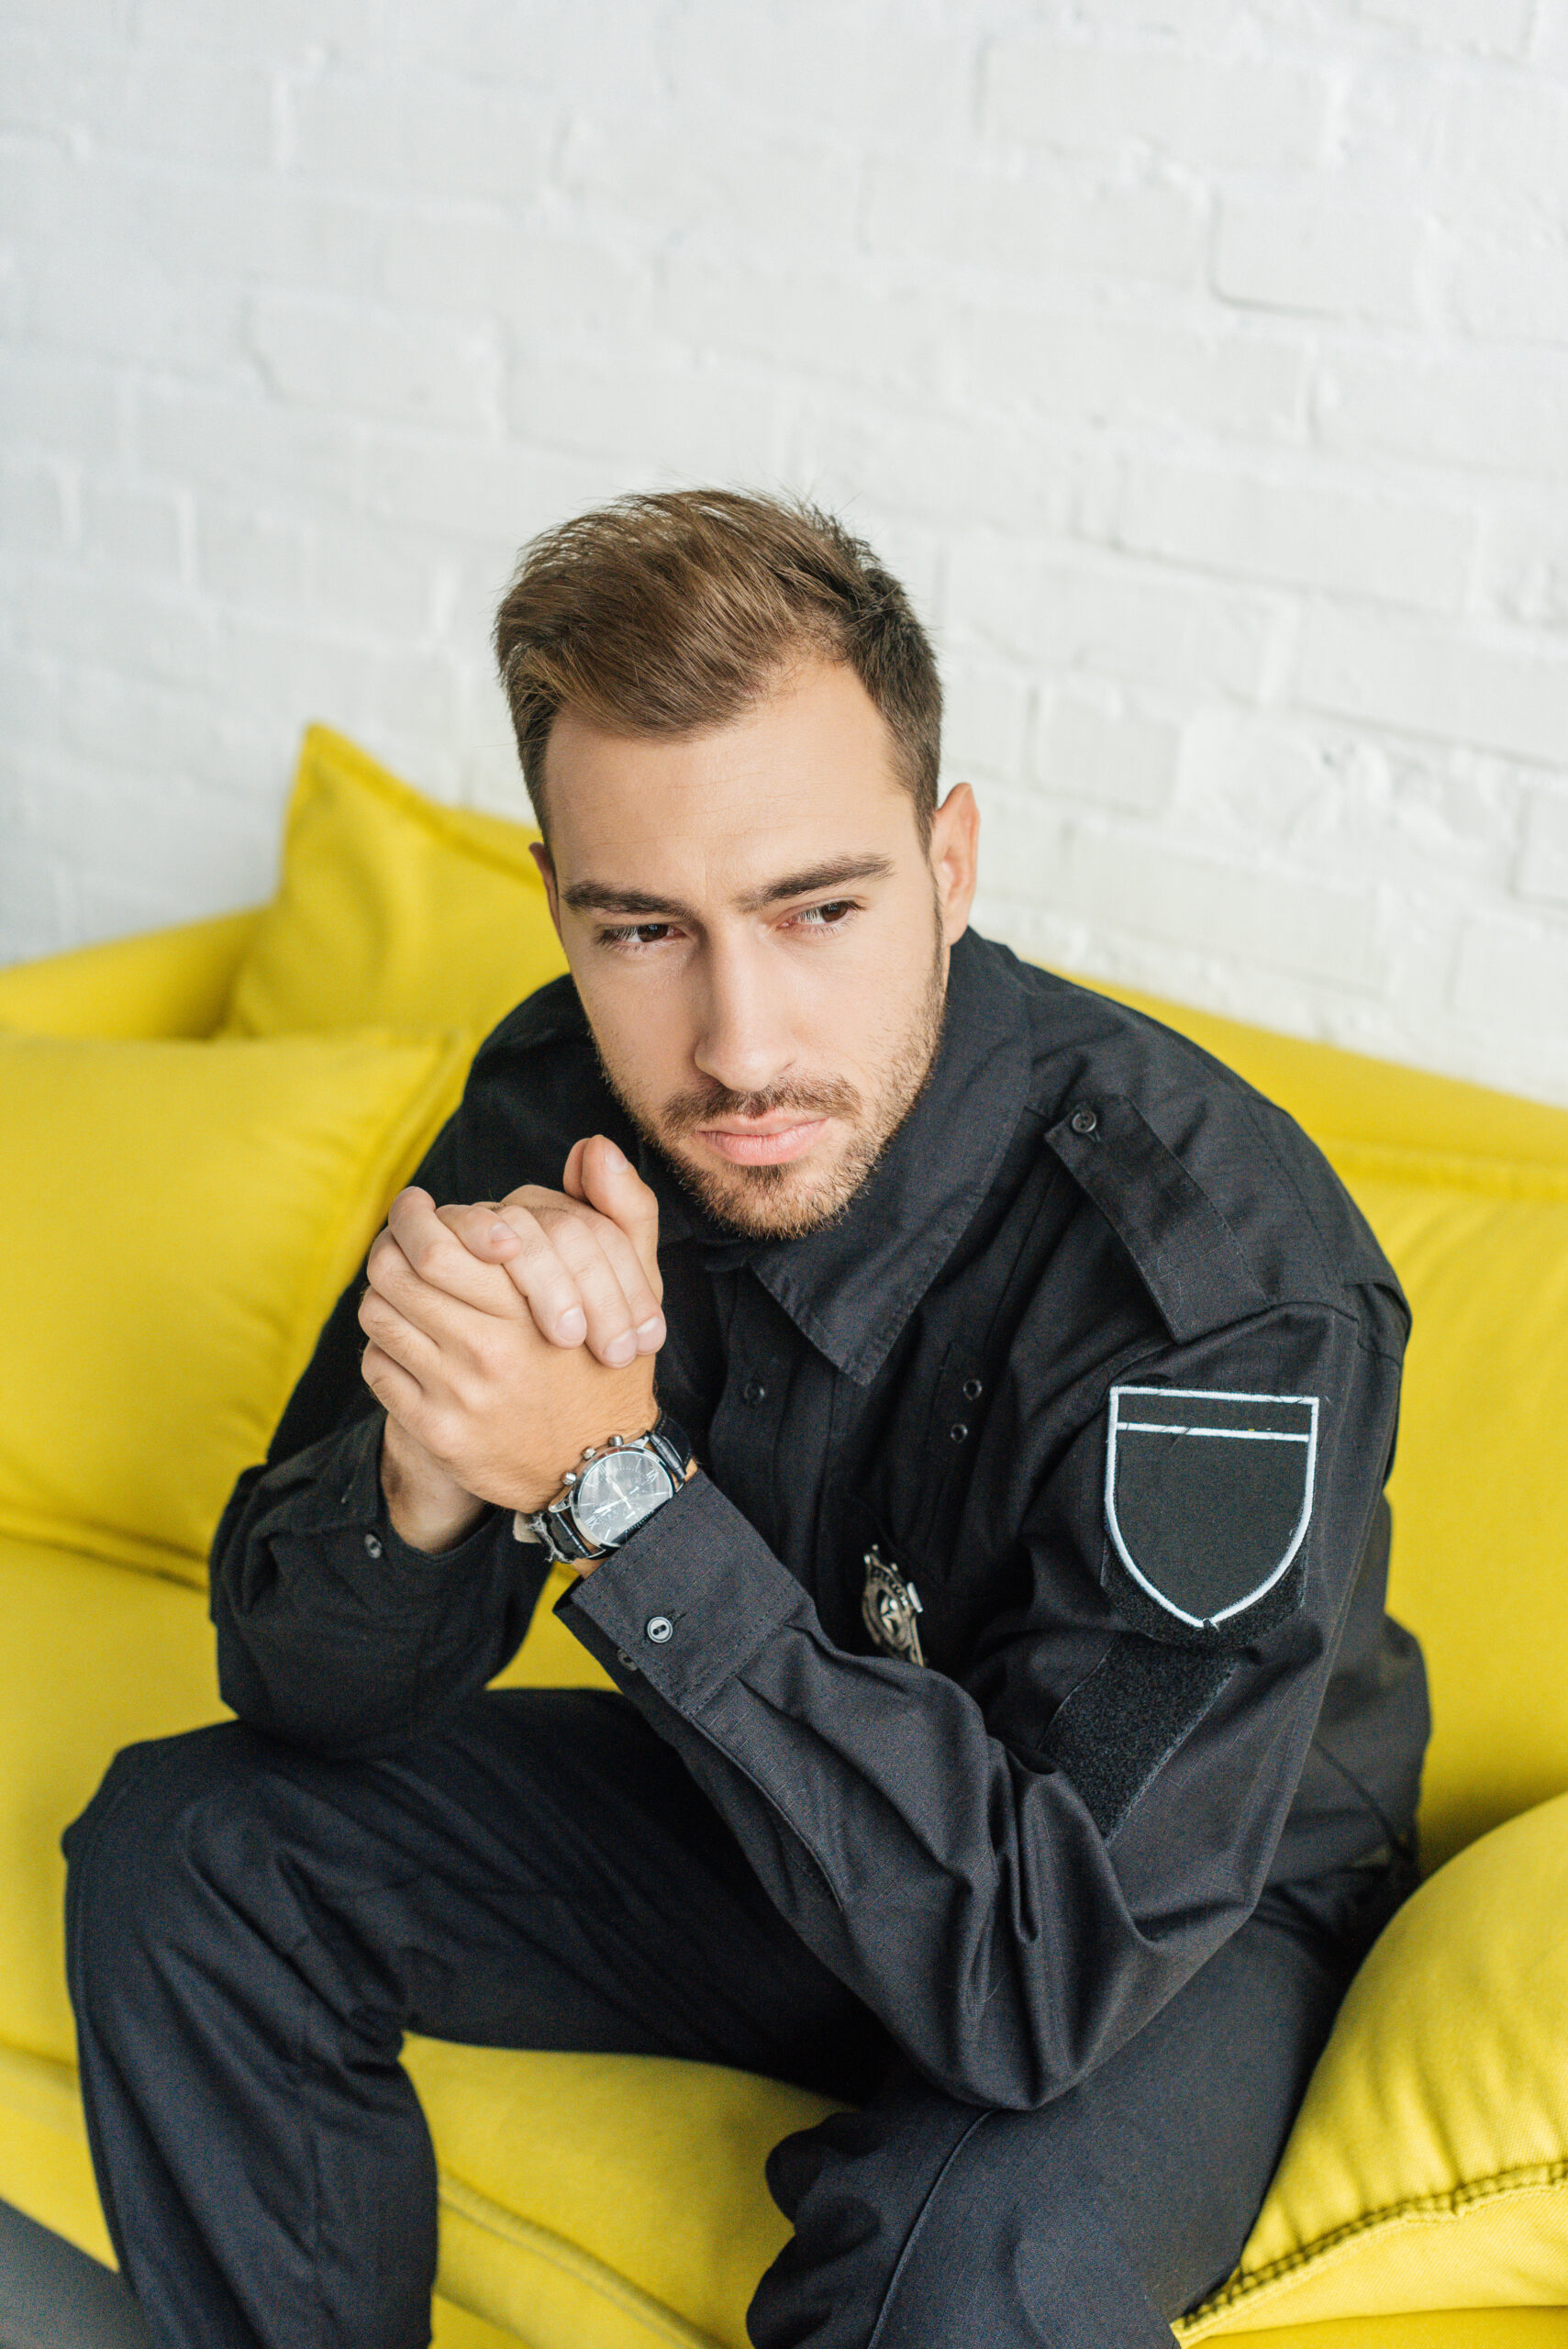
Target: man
{"x": 966, "y": 1407}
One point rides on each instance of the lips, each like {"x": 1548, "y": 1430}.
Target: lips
{"x": 764, "y": 1145}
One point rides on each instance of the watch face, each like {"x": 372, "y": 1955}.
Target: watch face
{"x": 614, "y": 1494}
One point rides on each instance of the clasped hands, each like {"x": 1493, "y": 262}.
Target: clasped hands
{"x": 506, "y": 1338}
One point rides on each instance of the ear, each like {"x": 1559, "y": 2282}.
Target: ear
{"x": 954, "y": 854}
{"x": 541, "y": 857}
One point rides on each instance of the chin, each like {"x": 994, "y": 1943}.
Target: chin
{"x": 775, "y": 1202}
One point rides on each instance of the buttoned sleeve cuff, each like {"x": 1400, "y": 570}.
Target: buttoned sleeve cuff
{"x": 687, "y": 1602}
{"x": 345, "y": 1499}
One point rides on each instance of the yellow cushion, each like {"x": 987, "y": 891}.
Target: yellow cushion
{"x": 1480, "y": 1485}
{"x": 393, "y": 908}
{"x": 178, "y": 1220}
{"x": 161, "y": 982}
{"x": 1428, "y": 2167}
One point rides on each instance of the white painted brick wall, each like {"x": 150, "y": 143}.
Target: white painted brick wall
{"x": 1203, "y": 364}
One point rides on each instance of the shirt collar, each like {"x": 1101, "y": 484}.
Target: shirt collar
{"x": 852, "y": 1286}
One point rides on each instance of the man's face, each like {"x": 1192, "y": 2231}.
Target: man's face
{"x": 759, "y": 941}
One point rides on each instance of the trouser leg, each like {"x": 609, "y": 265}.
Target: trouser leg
{"x": 1087, "y": 2224}
{"x": 251, "y": 1930}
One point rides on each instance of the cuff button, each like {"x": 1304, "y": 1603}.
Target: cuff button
{"x": 658, "y": 1629}
{"x": 373, "y": 1547}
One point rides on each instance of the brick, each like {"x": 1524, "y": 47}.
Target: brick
{"x": 160, "y": 832}
{"x": 388, "y": 362}
{"x": 1507, "y": 294}
{"x": 131, "y": 529}
{"x": 1435, "y": 680}
{"x": 534, "y": 44}
{"x": 252, "y": 559}
{"x": 1492, "y": 28}
{"x": 1325, "y": 260}
{"x": 1412, "y": 552}
{"x": 1285, "y": 920}
{"x": 985, "y": 717}
{"x": 1104, "y": 371}
{"x": 1113, "y": 621}
{"x": 790, "y": 195}
{"x": 1543, "y": 865}
{"x": 454, "y": 260}
{"x": 1098, "y": 751}
{"x": 1231, "y": 117}
{"x": 139, "y": 627}
{"x": 34, "y": 513}
{"x": 1509, "y": 137}
{"x": 496, "y": 491}
{"x": 1513, "y": 977}
{"x": 441, "y": 137}
{"x": 1523, "y": 566}
{"x": 944, "y": 468}
{"x": 1496, "y": 411}
{"x": 198, "y": 435}
{"x": 902, "y": 73}
{"x": 806, "y": 325}
{"x": 372, "y": 580}
{"x": 361, "y": 28}
{"x": 50, "y": 404}
{"x": 309, "y": 671}
{"x": 38, "y": 900}
{"x": 1044, "y": 220}
{"x": 657, "y": 421}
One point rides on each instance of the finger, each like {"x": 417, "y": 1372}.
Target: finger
{"x": 398, "y": 1394}
{"x": 483, "y": 1229}
{"x": 538, "y": 1273}
{"x": 397, "y": 1337}
{"x": 614, "y": 1319}
{"x": 437, "y": 1255}
{"x": 569, "y": 1230}
{"x": 612, "y": 1184}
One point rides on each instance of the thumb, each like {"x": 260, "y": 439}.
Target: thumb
{"x": 611, "y": 1184}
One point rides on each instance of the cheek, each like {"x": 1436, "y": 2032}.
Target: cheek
{"x": 643, "y": 1033}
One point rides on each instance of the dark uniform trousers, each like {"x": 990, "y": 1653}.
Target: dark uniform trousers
{"x": 251, "y": 1929}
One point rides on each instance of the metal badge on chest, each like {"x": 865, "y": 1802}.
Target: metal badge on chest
{"x": 889, "y": 1605}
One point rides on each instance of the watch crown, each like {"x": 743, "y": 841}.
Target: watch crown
{"x": 617, "y": 1444}
{"x": 588, "y": 1451}
{"x": 569, "y": 1477}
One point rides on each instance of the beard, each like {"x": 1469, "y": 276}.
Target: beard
{"x": 787, "y": 1201}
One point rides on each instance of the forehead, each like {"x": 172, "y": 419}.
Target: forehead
{"x": 810, "y": 767}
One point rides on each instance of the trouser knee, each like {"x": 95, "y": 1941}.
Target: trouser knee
{"x": 920, "y": 2219}
{"x": 153, "y": 1838}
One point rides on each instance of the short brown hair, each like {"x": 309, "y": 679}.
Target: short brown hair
{"x": 675, "y": 610}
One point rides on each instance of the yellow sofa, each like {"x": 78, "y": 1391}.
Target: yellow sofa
{"x": 199, "y": 1132}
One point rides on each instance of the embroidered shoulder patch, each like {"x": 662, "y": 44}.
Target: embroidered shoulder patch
{"x": 1208, "y": 1497}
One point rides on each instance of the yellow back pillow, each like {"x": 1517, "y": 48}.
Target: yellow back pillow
{"x": 179, "y": 1220}
{"x": 391, "y": 909}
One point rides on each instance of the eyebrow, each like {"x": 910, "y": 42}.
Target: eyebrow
{"x": 598, "y": 897}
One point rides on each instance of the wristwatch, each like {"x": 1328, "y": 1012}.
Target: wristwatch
{"x": 617, "y": 1488}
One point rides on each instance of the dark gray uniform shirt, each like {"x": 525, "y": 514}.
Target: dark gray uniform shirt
{"x": 1157, "y": 1676}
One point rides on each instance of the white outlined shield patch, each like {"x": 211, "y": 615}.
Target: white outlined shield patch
{"x": 1209, "y": 1496}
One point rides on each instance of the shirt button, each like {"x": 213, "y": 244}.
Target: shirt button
{"x": 958, "y": 1431}
{"x": 627, "y": 1663}
{"x": 753, "y": 1392}
{"x": 972, "y": 1391}
{"x": 1083, "y": 1122}
{"x": 373, "y": 1547}
{"x": 658, "y": 1629}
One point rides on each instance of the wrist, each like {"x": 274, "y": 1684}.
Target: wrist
{"x": 428, "y": 1509}
{"x": 609, "y": 1495}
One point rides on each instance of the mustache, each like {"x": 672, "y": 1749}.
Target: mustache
{"x": 686, "y": 1113}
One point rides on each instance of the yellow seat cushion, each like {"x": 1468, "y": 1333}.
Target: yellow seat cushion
{"x": 391, "y": 909}
{"x": 178, "y": 1220}
{"x": 1428, "y": 2167}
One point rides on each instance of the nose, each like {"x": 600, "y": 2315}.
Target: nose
{"x": 744, "y": 1042}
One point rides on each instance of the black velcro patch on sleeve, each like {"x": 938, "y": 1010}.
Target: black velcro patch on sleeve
{"x": 1118, "y": 1728}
